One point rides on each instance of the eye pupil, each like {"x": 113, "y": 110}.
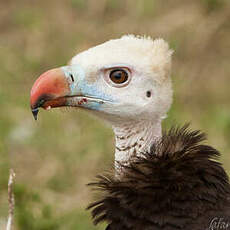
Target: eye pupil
{"x": 118, "y": 76}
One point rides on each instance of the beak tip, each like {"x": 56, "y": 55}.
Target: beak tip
{"x": 35, "y": 113}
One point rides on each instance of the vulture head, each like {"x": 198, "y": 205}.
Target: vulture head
{"x": 125, "y": 81}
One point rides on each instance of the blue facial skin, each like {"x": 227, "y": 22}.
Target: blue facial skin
{"x": 81, "y": 87}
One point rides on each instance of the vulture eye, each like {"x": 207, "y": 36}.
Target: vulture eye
{"x": 118, "y": 76}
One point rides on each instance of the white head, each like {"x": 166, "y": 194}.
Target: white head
{"x": 142, "y": 89}
{"x": 124, "y": 80}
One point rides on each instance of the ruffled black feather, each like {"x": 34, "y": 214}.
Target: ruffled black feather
{"x": 177, "y": 185}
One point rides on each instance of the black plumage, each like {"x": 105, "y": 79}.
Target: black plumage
{"x": 177, "y": 185}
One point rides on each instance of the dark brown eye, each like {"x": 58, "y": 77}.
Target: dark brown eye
{"x": 118, "y": 76}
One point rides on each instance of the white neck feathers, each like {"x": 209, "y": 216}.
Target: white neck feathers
{"x": 134, "y": 138}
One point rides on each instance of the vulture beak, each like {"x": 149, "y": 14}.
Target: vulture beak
{"x": 50, "y": 90}
{"x": 67, "y": 86}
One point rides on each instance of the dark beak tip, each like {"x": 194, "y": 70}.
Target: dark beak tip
{"x": 35, "y": 113}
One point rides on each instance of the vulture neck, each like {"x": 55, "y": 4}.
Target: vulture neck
{"x": 134, "y": 138}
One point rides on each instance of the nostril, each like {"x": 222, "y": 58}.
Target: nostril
{"x": 71, "y": 75}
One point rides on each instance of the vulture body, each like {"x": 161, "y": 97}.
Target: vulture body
{"x": 177, "y": 185}
{"x": 163, "y": 181}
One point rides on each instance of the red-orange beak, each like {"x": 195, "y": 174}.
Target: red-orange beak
{"x": 49, "y": 91}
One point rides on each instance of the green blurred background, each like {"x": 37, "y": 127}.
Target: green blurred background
{"x": 57, "y": 156}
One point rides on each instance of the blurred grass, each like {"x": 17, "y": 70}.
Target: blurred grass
{"x": 55, "y": 157}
